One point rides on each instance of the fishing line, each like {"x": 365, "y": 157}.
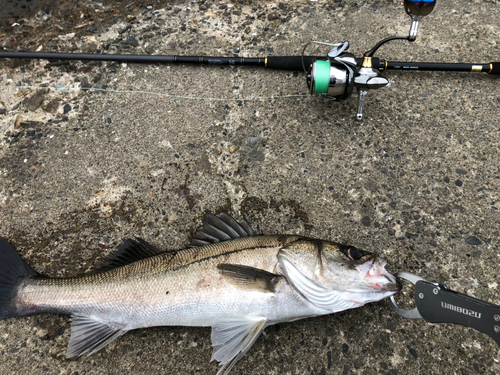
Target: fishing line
{"x": 172, "y": 96}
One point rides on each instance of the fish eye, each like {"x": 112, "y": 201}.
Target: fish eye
{"x": 353, "y": 253}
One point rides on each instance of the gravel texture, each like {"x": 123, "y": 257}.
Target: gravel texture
{"x": 92, "y": 153}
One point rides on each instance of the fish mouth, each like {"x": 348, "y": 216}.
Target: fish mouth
{"x": 396, "y": 285}
{"x": 373, "y": 272}
{"x": 393, "y": 288}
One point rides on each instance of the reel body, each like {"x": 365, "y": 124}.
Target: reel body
{"x": 333, "y": 77}
{"x": 337, "y": 75}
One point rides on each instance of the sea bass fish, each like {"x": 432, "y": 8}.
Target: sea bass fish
{"x": 231, "y": 278}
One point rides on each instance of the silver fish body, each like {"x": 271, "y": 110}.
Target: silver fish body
{"x": 237, "y": 286}
{"x": 182, "y": 288}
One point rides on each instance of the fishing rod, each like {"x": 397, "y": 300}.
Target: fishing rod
{"x": 334, "y": 77}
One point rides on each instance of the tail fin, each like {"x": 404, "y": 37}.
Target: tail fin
{"x": 12, "y": 270}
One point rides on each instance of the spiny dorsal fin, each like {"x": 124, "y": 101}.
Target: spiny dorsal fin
{"x": 249, "y": 278}
{"x": 129, "y": 251}
{"x": 232, "y": 338}
{"x": 222, "y": 228}
{"x": 89, "y": 334}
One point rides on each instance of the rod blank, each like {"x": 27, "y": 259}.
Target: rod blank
{"x": 271, "y": 62}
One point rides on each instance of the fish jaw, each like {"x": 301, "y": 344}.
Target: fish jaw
{"x": 375, "y": 283}
{"x": 374, "y": 273}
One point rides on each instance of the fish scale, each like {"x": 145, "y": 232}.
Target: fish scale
{"x": 135, "y": 295}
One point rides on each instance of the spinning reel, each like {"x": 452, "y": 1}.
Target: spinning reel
{"x": 337, "y": 76}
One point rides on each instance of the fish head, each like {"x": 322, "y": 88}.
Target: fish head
{"x": 336, "y": 276}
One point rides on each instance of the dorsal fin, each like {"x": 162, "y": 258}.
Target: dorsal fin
{"x": 222, "y": 228}
{"x": 129, "y": 251}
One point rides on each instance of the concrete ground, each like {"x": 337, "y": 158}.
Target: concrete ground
{"x": 417, "y": 181}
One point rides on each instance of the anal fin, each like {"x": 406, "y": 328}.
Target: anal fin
{"x": 89, "y": 334}
{"x": 232, "y": 338}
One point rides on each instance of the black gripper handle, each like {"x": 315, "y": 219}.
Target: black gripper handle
{"x": 437, "y": 304}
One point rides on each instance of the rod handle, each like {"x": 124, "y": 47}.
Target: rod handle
{"x": 293, "y": 63}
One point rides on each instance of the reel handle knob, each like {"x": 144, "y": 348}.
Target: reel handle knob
{"x": 417, "y": 9}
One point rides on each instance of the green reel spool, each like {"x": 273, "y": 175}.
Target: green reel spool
{"x": 322, "y": 77}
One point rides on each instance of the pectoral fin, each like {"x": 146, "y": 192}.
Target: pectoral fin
{"x": 232, "y": 338}
{"x": 89, "y": 334}
{"x": 316, "y": 294}
{"x": 249, "y": 278}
